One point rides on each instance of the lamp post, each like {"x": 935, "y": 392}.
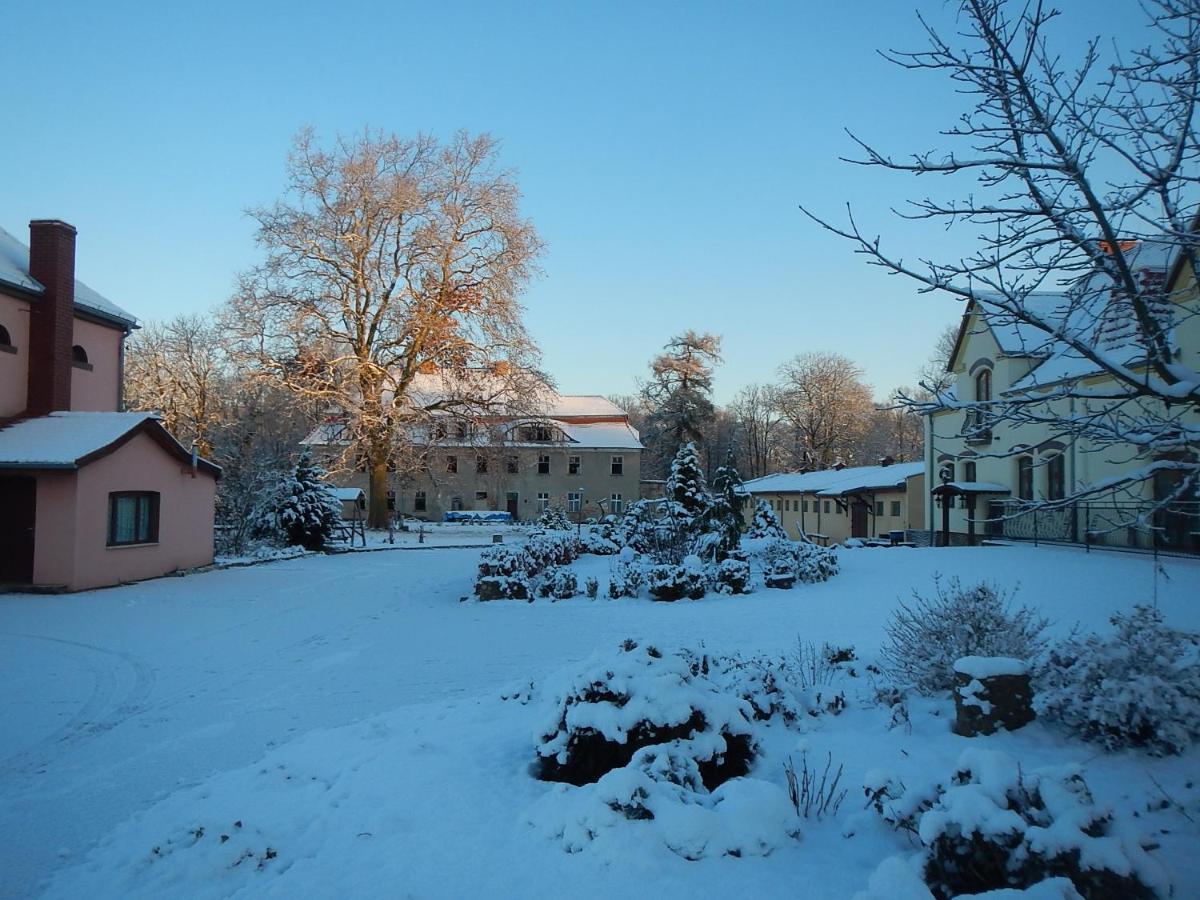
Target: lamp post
{"x": 579, "y": 517}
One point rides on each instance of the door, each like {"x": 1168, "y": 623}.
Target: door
{"x": 512, "y": 502}
{"x": 858, "y": 519}
{"x": 18, "y": 501}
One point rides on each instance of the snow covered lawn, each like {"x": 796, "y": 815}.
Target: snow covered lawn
{"x": 334, "y": 725}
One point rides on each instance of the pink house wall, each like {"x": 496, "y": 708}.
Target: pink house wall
{"x": 72, "y": 521}
{"x": 14, "y": 367}
{"x": 96, "y": 390}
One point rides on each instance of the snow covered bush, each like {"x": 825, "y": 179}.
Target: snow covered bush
{"x": 503, "y": 574}
{"x": 616, "y": 705}
{"x": 676, "y": 582}
{"x": 545, "y": 550}
{"x": 308, "y": 510}
{"x": 591, "y": 587}
{"x": 558, "y": 582}
{"x": 554, "y": 519}
{"x": 815, "y": 564}
{"x": 765, "y": 523}
{"x": 590, "y": 541}
{"x": 1139, "y": 687}
{"x": 926, "y": 636}
{"x": 992, "y": 826}
{"x": 779, "y": 559}
{"x": 776, "y": 687}
{"x": 732, "y": 576}
{"x": 687, "y": 486}
{"x": 625, "y": 575}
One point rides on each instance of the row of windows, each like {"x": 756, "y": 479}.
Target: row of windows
{"x": 813, "y": 506}
{"x": 574, "y": 502}
{"x": 1056, "y": 476}
{"x": 512, "y": 464}
{"x": 78, "y": 355}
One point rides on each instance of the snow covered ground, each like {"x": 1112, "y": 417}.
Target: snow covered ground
{"x": 334, "y": 724}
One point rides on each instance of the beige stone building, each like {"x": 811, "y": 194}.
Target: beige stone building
{"x": 832, "y": 505}
{"x": 578, "y": 453}
{"x": 981, "y": 471}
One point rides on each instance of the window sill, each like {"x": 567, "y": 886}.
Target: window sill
{"x": 8, "y": 348}
{"x": 130, "y": 546}
{"x": 87, "y": 367}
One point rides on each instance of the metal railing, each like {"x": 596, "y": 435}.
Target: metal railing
{"x": 1132, "y": 526}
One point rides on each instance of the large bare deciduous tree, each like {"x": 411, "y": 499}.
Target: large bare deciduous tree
{"x": 1069, "y": 171}
{"x": 387, "y": 259}
{"x": 824, "y": 400}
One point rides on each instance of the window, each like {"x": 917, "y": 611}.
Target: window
{"x": 969, "y": 472}
{"x": 437, "y": 431}
{"x": 573, "y": 465}
{"x": 419, "y": 501}
{"x": 1025, "y": 477}
{"x": 1056, "y": 478}
{"x": 460, "y": 430}
{"x": 132, "y": 518}
{"x": 481, "y": 465}
{"x": 538, "y": 433}
{"x": 512, "y": 465}
{"x": 543, "y": 502}
{"x": 879, "y": 507}
{"x": 896, "y": 509}
{"x": 804, "y": 506}
{"x": 618, "y": 505}
{"x": 79, "y": 357}
{"x": 543, "y": 463}
{"x": 983, "y": 386}
{"x": 618, "y": 465}
{"x": 574, "y": 502}
{"x": 451, "y": 463}
{"x": 826, "y": 506}
{"x": 481, "y": 495}
{"x": 6, "y": 343}
{"x": 456, "y": 503}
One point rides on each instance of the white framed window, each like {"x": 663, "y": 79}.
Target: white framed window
{"x": 896, "y": 508}
{"x": 573, "y": 465}
{"x": 618, "y": 465}
{"x": 543, "y": 502}
{"x": 618, "y": 504}
{"x": 574, "y": 502}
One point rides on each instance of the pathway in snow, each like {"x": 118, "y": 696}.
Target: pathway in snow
{"x": 112, "y": 699}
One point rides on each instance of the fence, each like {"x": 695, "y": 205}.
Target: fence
{"x": 1140, "y": 526}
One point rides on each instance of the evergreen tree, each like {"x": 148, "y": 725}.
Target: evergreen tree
{"x": 687, "y": 486}
{"x": 726, "y": 515}
{"x": 308, "y": 511}
{"x": 766, "y": 523}
{"x": 678, "y": 396}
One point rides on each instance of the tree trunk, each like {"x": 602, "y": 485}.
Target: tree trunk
{"x": 377, "y": 494}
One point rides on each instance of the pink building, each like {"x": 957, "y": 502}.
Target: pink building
{"x": 89, "y": 495}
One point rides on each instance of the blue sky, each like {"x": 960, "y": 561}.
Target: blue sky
{"x": 663, "y": 150}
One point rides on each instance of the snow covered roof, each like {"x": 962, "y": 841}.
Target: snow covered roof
{"x": 972, "y": 487}
{"x": 14, "y": 270}
{"x": 68, "y": 440}
{"x": 607, "y": 435}
{"x": 347, "y": 494}
{"x": 836, "y": 482}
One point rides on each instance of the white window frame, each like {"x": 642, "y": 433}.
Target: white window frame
{"x": 543, "y": 501}
{"x": 574, "y": 501}
{"x": 616, "y": 465}
{"x": 617, "y": 502}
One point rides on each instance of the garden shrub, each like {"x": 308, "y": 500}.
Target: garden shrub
{"x": 1139, "y": 687}
{"x": 732, "y": 576}
{"x": 554, "y": 519}
{"x": 503, "y": 574}
{"x": 667, "y": 582}
{"x": 558, "y": 582}
{"x": 926, "y": 636}
{"x": 765, "y": 523}
{"x": 625, "y": 575}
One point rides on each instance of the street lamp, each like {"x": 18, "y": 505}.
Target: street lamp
{"x": 579, "y": 517}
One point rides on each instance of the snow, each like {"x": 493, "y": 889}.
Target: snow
{"x": 347, "y": 494}
{"x": 61, "y": 438}
{"x": 978, "y": 487}
{"x": 834, "y": 482}
{"x": 989, "y": 666}
{"x": 14, "y": 270}
{"x": 346, "y": 711}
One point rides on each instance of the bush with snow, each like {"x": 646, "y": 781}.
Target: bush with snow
{"x": 787, "y": 688}
{"x": 667, "y": 582}
{"x": 640, "y": 697}
{"x": 732, "y": 576}
{"x": 625, "y": 575}
{"x": 591, "y": 587}
{"x": 554, "y": 519}
{"x": 815, "y": 564}
{"x": 926, "y": 636}
{"x": 308, "y": 510}
{"x": 765, "y": 523}
{"x": 992, "y": 826}
{"x": 554, "y": 549}
{"x": 558, "y": 582}
{"x": 503, "y": 574}
{"x": 594, "y": 542}
{"x": 1139, "y": 687}
{"x": 784, "y": 562}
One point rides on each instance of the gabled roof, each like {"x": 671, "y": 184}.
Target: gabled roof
{"x": 836, "y": 482}
{"x": 14, "y": 271}
{"x": 71, "y": 440}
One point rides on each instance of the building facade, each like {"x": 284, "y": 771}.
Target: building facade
{"x": 89, "y": 495}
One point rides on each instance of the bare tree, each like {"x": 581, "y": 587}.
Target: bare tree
{"x": 1072, "y": 171}
{"x": 824, "y": 400}
{"x": 387, "y": 259}
{"x": 934, "y": 376}
{"x": 755, "y": 409}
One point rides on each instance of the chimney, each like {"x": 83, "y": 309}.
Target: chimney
{"x": 886, "y": 461}
{"x": 838, "y": 465}
{"x": 52, "y": 318}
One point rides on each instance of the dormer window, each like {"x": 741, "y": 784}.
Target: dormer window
{"x": 538, "y": 433}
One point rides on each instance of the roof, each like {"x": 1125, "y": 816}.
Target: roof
{"x": 347, "y": 494}
{"x": 836, "y": 482}
{"x": 14, "y": 271}
{"x": 70, "y": 440}
{"x": 583, "y": 435}
{"x": 971, "y": 487}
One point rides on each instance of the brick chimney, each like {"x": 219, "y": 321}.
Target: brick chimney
{"x": 52, "y": 318}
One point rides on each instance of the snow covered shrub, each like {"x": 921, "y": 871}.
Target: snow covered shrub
{"x": 591, "y": 587}
{"x": 554, "y": 519}
{"x": 991, "y": 826}
{"x": 774, "y": 686}
{"x": 601, "y": 716}
{"x": 815, "y": 564}
{"x": 503, "y": 574}
{"x": 765, "y": 523}
{"x": 590, "y": 541}
{"x": 625, "y": 575}
{"x": 308, "y": 511}
{"x": 779, "y": 559}
{"x": 732, "y": 577}
{"x": 633, "y": 528}
{"x": 676, "y": 582}
{"x": 925, "y": 638}
{"x": 1139, "y": 687}
{"x": 545, "y": 550}
{"x": 558, "y": 582}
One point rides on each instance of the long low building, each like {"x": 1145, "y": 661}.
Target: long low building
{"x": 845, "y": 502}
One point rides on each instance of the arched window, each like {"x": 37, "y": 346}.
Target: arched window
{"x": 969, "y": 471}
{"x": 983, "y": 385}
{"x": 1025, "y": 477}
{"x": 79, "y": 355}
{"x": 5, "y": 338}
{"x": 1056, "y": 478}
